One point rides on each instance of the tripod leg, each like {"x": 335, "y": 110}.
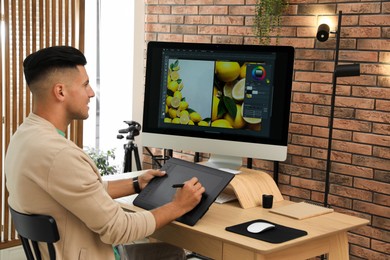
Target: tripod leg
{"x": 128, "y": 160}
{"x": 137, "y": 160}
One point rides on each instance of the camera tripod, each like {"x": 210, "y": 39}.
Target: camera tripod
{"x": 130, "y": 147}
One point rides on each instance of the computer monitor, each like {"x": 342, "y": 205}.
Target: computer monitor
{"x": 232, "y": 101}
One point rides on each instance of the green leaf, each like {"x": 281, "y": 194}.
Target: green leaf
{"x": 230, "y": 106}
{"x": 221, "y": 109}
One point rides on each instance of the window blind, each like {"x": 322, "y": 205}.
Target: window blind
{"x": 26, "y": 26}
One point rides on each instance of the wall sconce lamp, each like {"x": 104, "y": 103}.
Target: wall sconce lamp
{"x": 346, "y": 70}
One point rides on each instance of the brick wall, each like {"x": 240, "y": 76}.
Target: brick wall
{"x": 360, "y": 172}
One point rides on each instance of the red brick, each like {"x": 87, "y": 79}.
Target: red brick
{"x": 364, "y": 253}
{"x": 383, "y": 81}
{"x": 352, "y": 170}
{"x": 361, "y": 32}
{"x": 197, "y": 38}
{"x": 325, "y": 66}
{"x": 185, "y": 10}
{"x": 342, "y": 135}
{"x": 313, "y": 76}
{"x": 372, "y": 139}
{"x": 376, "y": 163}
{"x": 153, "y": 9}
{"x": 373, "y": 44}
{"x": 313, "y": 54}
{"x": 309, "y": 119}
{"x": 381, "y": 246}
{"x": 383, "y": 105}
{"x": 382, "y": 152}
{"x": 298, "y": 150}
{"x": 352, "y": 147}
{"x": 352, "y": 193}
{"x": 199, "y": 2}
{"x": 373, "y": 116}
{"x": 170, "y": 37}
{"x": 309, "y": 162}
{"x": 337, "y": 201}
{"x": 372, "y": 208}
{"x": 151, "y": 18}
{"x": 358, "y": 56}
{"x": 241, "y": 10}
{"x": 296, "y": 171}
{"x": 205, "y": 19}
{"x": 355, "y": 102}
{"x": 374, "y": 20}
{"x": 209, "y": 29}
{"x": 382, "y": 199}
{"x": 375, "y": 68}
{"x": 359, "y": 8}
{"x": 299, "y": 20}
{"x": 229, "y": 20}
{"x": 303, "y": 65}
{"x": 170, "y": 19}
{"x": 379, "y": 222}
{"x": 371, "y": 92}
{"x": 300, "y": 86}
{"x": 294, "y": 191}
{"x": 239, "y": 30}
{"x": 381, "y": 129}
{"x": 362, "y": 80}
{"x": 300, "y": 129}
{"x": 227, "y": 39}
{"x": 384, "y": 57}
{"x": 156, "y": 27}
{"x": 307, "y": 184}
{"x": 301, "y": 108}
{"x": 351, "y": 125}
{"x": 311, "y": 98}
{"x": 184, "y": 29}
{"x": 213, "y": 10}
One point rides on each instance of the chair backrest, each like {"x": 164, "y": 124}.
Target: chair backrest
{"x": 34, "y": 229}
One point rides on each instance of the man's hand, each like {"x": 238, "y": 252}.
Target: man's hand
{"x": 190, "y": 195}
{"x": 146, "y": 177}
{"x": 185, "y": 199}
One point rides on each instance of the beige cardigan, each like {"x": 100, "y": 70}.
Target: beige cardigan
{"x": 48, "y": 174}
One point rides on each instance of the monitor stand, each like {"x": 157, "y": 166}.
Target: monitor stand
{"x": 218, "y": 161}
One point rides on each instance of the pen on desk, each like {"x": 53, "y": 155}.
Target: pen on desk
{"x": 178, "y": 185}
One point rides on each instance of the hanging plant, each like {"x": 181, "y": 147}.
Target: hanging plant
{"x": 267, "y": 18}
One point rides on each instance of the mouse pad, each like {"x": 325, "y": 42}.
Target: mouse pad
{"x": 159, "y": 191}
{"x": 279, "y": 234}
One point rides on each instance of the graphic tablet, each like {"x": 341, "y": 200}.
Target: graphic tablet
{"x": 159, "y": 191}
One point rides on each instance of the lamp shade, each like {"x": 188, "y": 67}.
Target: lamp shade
{"x": 347, "y": 70}
{"x": 323, "y": 32}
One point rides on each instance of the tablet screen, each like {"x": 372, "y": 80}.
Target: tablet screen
{"x": 159, "y": 191}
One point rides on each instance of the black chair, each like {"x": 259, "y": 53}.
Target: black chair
{"x": 36, "y": 228}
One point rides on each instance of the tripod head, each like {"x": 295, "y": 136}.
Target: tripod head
{"x": 132, "y": 131}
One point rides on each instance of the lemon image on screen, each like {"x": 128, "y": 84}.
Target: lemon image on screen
{"x": 227, "y": 71}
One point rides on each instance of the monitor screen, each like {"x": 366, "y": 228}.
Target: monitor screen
{"x": 231, "y": 101}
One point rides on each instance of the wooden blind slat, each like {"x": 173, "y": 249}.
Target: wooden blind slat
{"x": 30, "y": 25}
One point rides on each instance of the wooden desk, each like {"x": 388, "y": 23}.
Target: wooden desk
{"x": 327, "y": 234}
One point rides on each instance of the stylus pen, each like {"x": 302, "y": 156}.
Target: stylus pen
{"x": 178, "y": 185}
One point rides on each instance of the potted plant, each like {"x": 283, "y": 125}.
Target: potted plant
{"x": 102, "y": 160}
{"x": 267, "y": 18}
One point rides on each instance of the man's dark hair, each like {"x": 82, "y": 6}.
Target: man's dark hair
{"x": 40, "y": 63}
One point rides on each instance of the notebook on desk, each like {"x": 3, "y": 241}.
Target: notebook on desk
{"x": 159, "y": 191}
{"x": 301, "y": 210}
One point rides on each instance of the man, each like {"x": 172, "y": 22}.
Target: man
{"x": 48, "y": 174}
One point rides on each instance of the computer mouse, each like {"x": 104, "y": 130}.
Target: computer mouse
{"x": 258, "y": 227}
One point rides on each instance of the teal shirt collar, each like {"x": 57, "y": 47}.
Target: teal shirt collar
{"x": 60, "y": 132}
